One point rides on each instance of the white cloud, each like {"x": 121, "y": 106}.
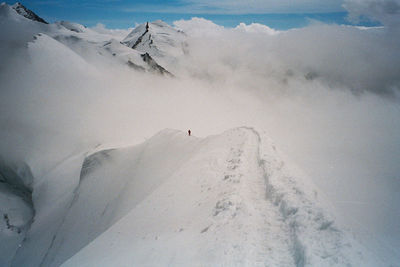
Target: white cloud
{"x": 256, "y": 28}
{"x": 199, "y": 26}
{"x": 385, "y": 11}
{"x": 118, "y": 34}
{"x": 327, "y": 94}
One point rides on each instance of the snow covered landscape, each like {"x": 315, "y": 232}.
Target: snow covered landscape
{"x": 293, "y": 160}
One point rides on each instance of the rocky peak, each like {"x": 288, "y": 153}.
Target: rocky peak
{"x": 157, "y": 38}
{"x": 29, "y": 14}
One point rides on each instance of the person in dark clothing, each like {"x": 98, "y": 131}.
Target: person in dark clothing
{"x": 189, "y": 132}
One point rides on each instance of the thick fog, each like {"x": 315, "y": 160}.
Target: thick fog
{"x": 327, "y": 94}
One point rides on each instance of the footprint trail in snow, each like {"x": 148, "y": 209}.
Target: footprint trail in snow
{"x": 232, "y": 202}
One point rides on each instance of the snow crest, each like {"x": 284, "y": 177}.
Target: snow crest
{"x": 233, "y": 202}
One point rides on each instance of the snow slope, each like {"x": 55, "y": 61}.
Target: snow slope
{"x": 22, "y": 10}
{"x": 230, "y": 202}
{"x": 111, "y": 183}
{"x": 162, "y": 42}
{"x": 229, "y": 199}
{"x": 16, "y": 207}
{"x": 100, "y": 49}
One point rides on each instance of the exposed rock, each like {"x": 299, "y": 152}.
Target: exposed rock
{"x": 29, "y": 14}
{"x": 154, "y": 66}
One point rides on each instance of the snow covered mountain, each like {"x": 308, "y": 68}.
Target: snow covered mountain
{"x": 223, "y": 200}
{"x": 72, "y": 197}
{"x": 29, "y": 14}
{"x": 159, "y": 40}
{"x": 16, "y": 207}
{"x": 94, "y": 47}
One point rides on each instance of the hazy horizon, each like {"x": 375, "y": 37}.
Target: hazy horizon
{"x": 117, "y": 15}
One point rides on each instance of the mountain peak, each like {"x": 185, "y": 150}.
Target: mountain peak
{"x": 159, "y": 41}
{"x": 154, "y": 38}
{"x": 27, "y": 13}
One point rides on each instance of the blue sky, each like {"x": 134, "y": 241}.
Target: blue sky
{"x": 277, "y": 14}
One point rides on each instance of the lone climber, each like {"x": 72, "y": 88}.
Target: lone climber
{"x": 189, "y": 132}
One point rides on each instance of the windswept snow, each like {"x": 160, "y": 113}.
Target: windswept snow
{"x": 231, "y": 202}
{"x": 99, "y": 48}
{"x": 160, "y": 41}
{"x": 16, "y": 207}
{"x": 156, "y": 38}
{"x": 27, "y": 13}
{"x": 112, "y": 182}
{"x": 83, "y": 183}
{"x": 75, "y": 27}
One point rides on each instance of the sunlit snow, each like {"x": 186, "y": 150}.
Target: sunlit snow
{"x": 294, "y": 157}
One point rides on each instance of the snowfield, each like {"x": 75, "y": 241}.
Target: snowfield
{"x": 89, "y": 178}
{"x": 229, "y": 200}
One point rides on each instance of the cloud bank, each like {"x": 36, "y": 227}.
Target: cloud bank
{"x": 327, "y": 94}
{"x": 385, "y": 11}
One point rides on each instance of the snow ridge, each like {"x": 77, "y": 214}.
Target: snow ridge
{"x": 160, "y": 41}
{"x": 156, "y": 38}
{"x": 16, "y": 207}
{"x": 141, "y": 37}
{"x": 154, "y": 66}
{"x": 315, "y": 239}
{"x": 233, "y": 202}
{"x": 100, "y": 50}
{"x": 29, "y": 14}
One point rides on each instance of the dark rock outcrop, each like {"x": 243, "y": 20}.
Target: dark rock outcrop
{"x": 29, "y": 14}
{"x": 154, "y": 65}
